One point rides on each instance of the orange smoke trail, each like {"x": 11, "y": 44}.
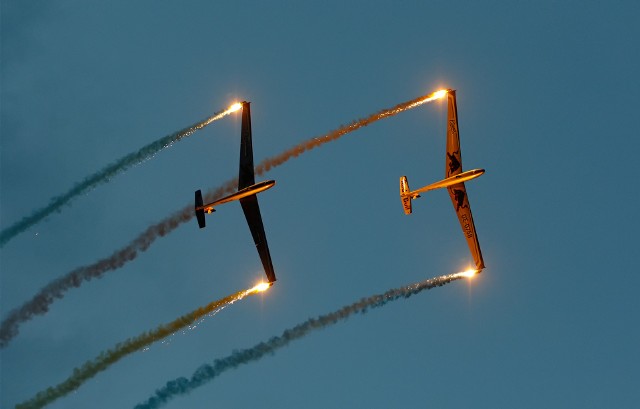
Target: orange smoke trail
{"x": 313, "y": 143}
{"x": 107, "y": 358}
{"x": 40, "y": 303}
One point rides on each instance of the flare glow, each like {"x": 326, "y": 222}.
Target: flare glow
{"x": 440, "y": 94}
{"x": 468, "y": 273}
{"x": 260, "y": 288}
{"x": 235, "y": 107}
{"x": 431, "y": 97}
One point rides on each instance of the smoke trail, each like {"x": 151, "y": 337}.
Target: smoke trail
{"x": 208, "y": 372}
{"x": 278, "y": 160}
{"x": 104, "y": 175}
{"x": 40, "y": 303}
{"x": 90, "y": 368}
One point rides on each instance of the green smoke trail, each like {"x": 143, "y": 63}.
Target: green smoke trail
{"x": 103, "y": 176}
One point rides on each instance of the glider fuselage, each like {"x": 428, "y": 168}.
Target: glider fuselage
{"x": 450, "y": 181}
{"x": 242, "y": 193}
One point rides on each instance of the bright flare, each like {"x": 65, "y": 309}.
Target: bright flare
{"x": 431, "y": 97}
{"x": 469, "y": 273}
{"x": 439, "y": 94}
{"x": 235, "y": 107}
{"x": 261, "y": 287}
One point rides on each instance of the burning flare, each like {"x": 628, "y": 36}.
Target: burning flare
{"x": 440, "y": 94}
{"x": 261, "y": 287}
{"x": 431, "y": 97}
{"x": 235, "y": 107}
{"x": 468, "y": 273}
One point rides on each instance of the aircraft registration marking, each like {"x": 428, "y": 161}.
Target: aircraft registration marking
{"x": 468, "y": 231}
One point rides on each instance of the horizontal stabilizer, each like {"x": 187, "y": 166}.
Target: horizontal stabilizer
{"x": 199, "y": 209}
{"x": 405, "y": 196}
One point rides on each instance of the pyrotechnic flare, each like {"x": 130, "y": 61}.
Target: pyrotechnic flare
{"x": 104, "y": 175}
{"x": 469, "y": 273}
{"x": 40, "y": 303}
{"x": 208, "y": 372}
{"x": 90, "y": 368}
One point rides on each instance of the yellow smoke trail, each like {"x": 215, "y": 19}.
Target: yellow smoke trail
{"x": 90, "y": 368}
{"x": 40, "y": 303}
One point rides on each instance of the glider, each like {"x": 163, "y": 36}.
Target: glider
{"x": 246, "y": 194}
{"x": 453, "y": 181}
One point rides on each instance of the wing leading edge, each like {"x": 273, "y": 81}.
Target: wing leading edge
{"x": 458, "y": 192}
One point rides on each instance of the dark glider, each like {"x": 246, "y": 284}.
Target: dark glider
{"x": 246, "y": 194}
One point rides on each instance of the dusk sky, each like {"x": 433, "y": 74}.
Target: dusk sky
{"x": 547, "y": 97}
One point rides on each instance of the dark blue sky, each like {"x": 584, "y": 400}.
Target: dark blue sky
{"x": 547, "y": 101}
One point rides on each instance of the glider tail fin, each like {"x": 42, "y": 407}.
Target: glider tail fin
{"x": 199, "y": 210}
{"x": 405, "y": 195}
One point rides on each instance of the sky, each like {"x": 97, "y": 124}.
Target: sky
{"x": 547, "y": 95}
